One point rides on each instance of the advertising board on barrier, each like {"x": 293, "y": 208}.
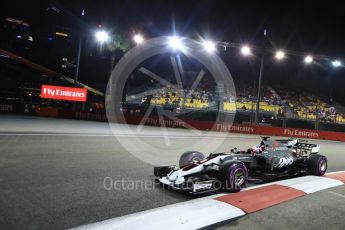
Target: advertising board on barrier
{"x": 301, "y": 133}
{"x": 205, "y": 125}
{"x": 235, "y": 128}
{"x": 63, "y": 93}
{"x": 241, "y": 128}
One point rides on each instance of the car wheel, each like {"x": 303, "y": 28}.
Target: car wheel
{"x": 317, "y": 164}
{"x": 233, "y": 175}
{"x": 190, "y": 157}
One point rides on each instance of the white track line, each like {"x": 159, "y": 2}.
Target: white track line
{"x": 245, "y": 136}
{"x": 56, "y": 134}
{"x": 119, "y": 135}
{"x": 337, "y": 194}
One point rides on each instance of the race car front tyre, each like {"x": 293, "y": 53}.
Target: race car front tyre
{"x": 317, "y": 164}
{"x": 233, "y": 175}
{"x": 190, "y": 157}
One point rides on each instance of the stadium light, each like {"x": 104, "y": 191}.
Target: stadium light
{"x": 209, "y": 46}
{"x": 336, "y": 63}
{"x": 308, "y": 59}
{"x": 280, "y": 55}
{"x": 175, "y": 43}
{"x": 138, "y": 39}
{"x": 102, "y": 36}
{"x": 245, "y": 50}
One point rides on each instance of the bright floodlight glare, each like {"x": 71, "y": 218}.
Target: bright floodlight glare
{"x": 138, "y": 39}
{"x": 336, "y": 63}
{"x": 245, "y": 50}
{"x": 102, "y": 36}
{"x": 175, "y": 43}
{"x": 280, "y": 55}
{"x": 308, "y": 59}
{"x": 209, "y": 46}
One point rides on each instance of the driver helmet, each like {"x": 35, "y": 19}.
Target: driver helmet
{"x": 257, "y": 148}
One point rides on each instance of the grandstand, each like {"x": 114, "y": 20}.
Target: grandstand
{"x": 203, "y": 99}
{"x": 276, "y": 102}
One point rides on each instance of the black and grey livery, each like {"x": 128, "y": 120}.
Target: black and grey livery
{"x": 230, "y": 170}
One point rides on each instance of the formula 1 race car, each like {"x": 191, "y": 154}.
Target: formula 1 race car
{"x": 269, "y": 160}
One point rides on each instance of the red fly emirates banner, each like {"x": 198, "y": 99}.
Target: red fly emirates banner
{"x": 63, "y": 93}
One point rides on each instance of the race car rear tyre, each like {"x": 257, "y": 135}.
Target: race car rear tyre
{"x": 317, "y": 164}
{"x": 190, "y": 157}
{"x": 233, "y": 175}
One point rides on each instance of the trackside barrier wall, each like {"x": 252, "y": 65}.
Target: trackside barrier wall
{"x": 203, "y": 125}
{"x": 239, "y": 128}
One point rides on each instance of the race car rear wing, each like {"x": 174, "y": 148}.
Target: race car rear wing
{"x": 300, "y": 144}
{"x": 313, "y": 148}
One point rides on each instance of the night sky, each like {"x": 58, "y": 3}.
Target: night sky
{"x": 304, "y": 26}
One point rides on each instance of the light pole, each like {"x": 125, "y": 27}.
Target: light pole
{"x": 78, "y": 63}
{"x": 284, "y": 112}
{"x": 260, "y": 80}
{"x": 101, "y": 37}
{"x": 259, "y": 89}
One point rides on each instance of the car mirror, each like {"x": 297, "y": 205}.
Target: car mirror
{"x": 234, "y": 150}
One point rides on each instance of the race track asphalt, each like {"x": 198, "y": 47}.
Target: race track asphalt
{"x": 57, "y": 174}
